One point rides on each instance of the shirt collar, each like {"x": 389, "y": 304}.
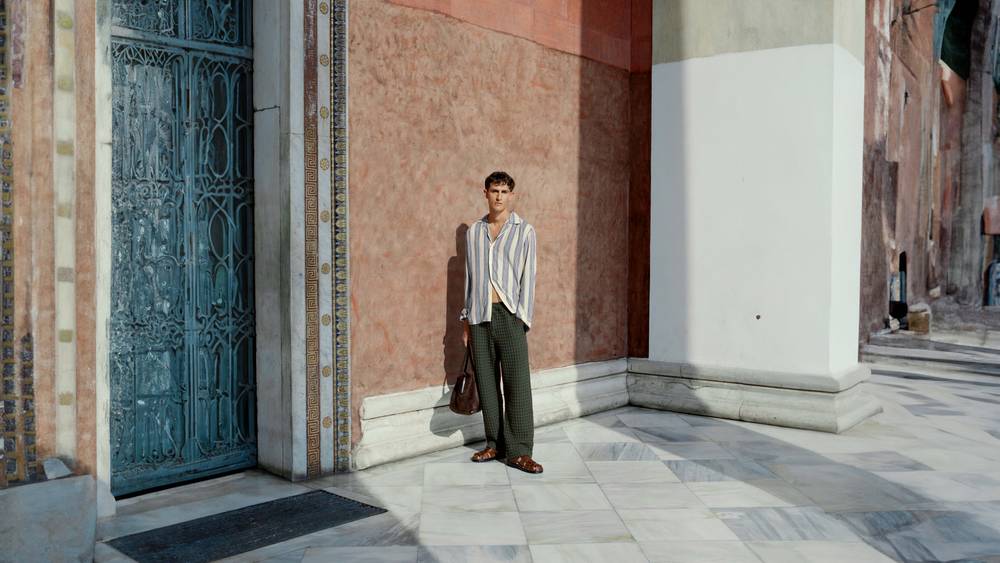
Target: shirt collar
{"x": 513, "y": 218}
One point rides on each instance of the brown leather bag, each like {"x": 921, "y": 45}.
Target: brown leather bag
{"x": 465, "y": 395}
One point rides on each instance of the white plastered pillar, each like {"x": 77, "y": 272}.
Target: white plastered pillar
{"x": 757, "y": 125}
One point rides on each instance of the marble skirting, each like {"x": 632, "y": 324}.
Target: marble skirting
{"x": 827, "y": 404}
{"x": 402, "y": 425}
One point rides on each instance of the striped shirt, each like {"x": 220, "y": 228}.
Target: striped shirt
{"x": 508, "y": 262}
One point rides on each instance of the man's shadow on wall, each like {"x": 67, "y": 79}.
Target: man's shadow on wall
{"x": 445, "y": 423}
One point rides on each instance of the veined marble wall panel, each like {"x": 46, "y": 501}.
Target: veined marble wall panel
{"x": 64, "y": 225}
{"x": 442, "y": 104}
{"x": 84, "y": 276}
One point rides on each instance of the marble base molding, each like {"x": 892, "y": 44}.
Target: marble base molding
{"x": 402, "y": 425}
{"x": 828, "y": 403}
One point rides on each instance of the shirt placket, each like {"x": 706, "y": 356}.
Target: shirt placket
{"x": 492, "y": 243}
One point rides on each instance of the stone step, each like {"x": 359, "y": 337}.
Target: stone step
{"x": 918, "y": 342}
{"x": 964, "y": 358}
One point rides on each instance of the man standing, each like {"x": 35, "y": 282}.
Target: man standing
{"x": 499, "y": 303}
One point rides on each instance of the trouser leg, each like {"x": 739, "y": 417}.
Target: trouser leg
{"x": 512, "y": 351}
{"x": 487, "y": 375}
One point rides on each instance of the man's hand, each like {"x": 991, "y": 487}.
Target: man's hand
{"x": 465, "y": 333}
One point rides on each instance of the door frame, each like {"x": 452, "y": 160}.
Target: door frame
{"x": 303, "y": 388}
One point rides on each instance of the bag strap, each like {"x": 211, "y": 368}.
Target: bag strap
{"x": 468, "y": 360}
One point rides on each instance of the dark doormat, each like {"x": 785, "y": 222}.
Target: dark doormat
{"x": 244, "y": 529}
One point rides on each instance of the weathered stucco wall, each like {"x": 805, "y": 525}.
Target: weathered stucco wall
{"x": 914, "y": 112}
{"x": 436, "y": 105}
{"x": 596, "y": 29}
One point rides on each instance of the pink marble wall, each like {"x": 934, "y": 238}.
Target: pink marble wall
{"x": 436, "y": 105}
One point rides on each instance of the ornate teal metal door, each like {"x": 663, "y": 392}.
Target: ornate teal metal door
{"x": 182, "y": 325}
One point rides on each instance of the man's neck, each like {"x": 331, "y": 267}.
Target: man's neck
{"x": 500, "y": 218}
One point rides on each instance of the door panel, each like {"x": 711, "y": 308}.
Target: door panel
{"x": 182, "y": 340}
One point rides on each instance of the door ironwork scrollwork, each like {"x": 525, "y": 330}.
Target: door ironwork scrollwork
{"x": 182, "y": 315}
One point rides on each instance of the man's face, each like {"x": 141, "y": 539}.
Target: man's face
{"x": 499, "y": 197}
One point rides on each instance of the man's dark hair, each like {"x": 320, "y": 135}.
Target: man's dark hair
{"x": 499, "y": 177}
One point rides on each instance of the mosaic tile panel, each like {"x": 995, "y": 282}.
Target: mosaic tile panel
{"x": 17, "y": 429}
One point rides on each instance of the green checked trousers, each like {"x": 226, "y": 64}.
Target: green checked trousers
{"x": 501, "y": 347}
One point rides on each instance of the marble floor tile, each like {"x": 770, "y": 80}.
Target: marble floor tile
{"x": 579, "y": 526}
{"x": 471, "y": 528}
{"x": 377, "y": 531}
{"x": 658, "y": 434}
{"x": 651, "y": 495}
{"x": 385, "y": 475}
{"x": 192, "y": 492}
{"x": 588, "y": 553}
{"x": 836, "y": 487}
{"x": 469, "y": 553}
{"x": 987, "y": 482}
{"x": 929, "y": 526}
{"x": 555, "y": 472}
{"x": 698, "y": 552}
{"x": 395, "y": 499}
{"x": 690, "y": 450}
{"x": 290, "y": 557}
{"x": 658, "y": 525}
{"x": 622, "y": 451}
{"x": 390, "y": 529}
{"x": 879, "y": 461}
{"x": 465, "y": 473}
{"x": 768, "y": 450}
{"x": 488, "y": 498}
{"x": 653, "y": 418}
{"x": 607, "y": 419}
{"x": 718, "y": 470}
{"x": 550, "y": 435}
{"x": 729, "y": 433}
{"x": 912, "y": 484}
{"x": 560, "y": 496}
{"x": 400, "y": 554}
{"x": 942, "y": 459}
{"x": 563, "y": 452}
{"x": 591, "y": 433}
{"x": 817, "y": 552}
{"x": 966, "y": 551}
{"x": 785, "y": 524}
{"x": 932, "y": 486}
{"x": 741, "y": 494}
{"x": 702, "y": 421}
{"x": 631, "y": 472}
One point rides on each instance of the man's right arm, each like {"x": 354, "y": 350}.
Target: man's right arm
{"x": 464, "y": 316}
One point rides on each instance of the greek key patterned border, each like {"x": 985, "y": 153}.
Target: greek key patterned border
{"x": 311, "y": 243}
{"x": 341, "y": 248}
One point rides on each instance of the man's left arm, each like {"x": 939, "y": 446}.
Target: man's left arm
{"x": 526, "y": 301}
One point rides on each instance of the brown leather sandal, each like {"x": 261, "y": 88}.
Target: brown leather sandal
{"x": 489, "y": 454}
{"x": 525, "y": 463}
